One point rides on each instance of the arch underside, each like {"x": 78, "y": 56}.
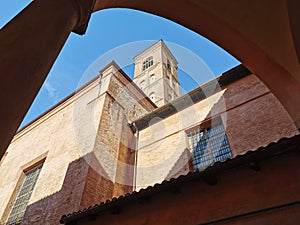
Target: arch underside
{"x": 260, "y": 34}
{"x": 264, "y": 35}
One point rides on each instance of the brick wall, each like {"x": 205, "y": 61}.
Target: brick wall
{"x": 251, "y": 115}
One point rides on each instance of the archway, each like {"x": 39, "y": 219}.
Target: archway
{"x": 243, "y": 29}
{"x": 257, "y": 34}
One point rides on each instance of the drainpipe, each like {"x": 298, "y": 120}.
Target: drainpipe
{"x": 136, "y": 133}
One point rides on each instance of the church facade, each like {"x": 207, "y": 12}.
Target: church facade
{"x": 115, "y": 136}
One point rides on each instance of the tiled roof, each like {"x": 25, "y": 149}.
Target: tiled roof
{"x": 251, "y": 159}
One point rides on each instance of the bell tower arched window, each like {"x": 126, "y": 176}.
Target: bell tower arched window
{"x": 148, "y": 62}
{"x": 168, "y": 65}
{"x": 152, "y": 79}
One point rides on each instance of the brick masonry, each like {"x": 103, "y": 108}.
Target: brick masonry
{"x": 90, "y": 149}
{"x": 251, "y": 115}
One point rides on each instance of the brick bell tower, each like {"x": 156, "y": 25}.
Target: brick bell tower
{"x": 155, "y": 73}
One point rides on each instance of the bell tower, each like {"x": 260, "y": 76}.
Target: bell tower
{"x": 155, "y": 73}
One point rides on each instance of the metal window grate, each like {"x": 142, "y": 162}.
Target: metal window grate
{"x": 209, "y": 145}
{"x": 19, "y": 206}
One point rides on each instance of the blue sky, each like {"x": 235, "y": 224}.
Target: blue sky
{"x": 109, "y": 34}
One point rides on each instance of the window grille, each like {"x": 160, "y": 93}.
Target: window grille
{"x": 208, "y": 145}
{"x": 148, "y": 62}
{"x": 20, "y": 203}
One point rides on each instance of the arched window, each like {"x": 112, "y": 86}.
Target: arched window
{"x": 152, "y": 96}
{"x": 168, "y": 65}
{"x": 152, "y": 79}
{"x": 169, "y": 97}
{"x": 173, "y": 83}
{"x": 142, "y": 85}
{"x": 148, "y": 62}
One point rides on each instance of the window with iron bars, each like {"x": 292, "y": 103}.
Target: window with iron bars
{"x": 148, "y": 62}
{"x": 208, "y": 145}
{"x": 21, "y": 201}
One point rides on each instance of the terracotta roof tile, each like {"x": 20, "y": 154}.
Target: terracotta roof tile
{"x": 273, "y": 149}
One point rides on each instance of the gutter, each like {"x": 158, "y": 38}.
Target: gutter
{"x": 251, "y": 159}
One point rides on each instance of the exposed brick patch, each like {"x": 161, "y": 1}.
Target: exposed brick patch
{"x": 49, "y": 209}
{"x": 97, "y": 189}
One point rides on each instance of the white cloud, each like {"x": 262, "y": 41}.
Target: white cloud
{"x": 51, "y": 91}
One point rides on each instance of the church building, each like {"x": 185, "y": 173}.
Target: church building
{"x": 125, "y": 151}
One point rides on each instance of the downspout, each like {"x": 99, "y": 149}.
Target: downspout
{"x": 136, "y": 134}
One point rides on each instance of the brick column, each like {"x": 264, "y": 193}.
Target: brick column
{"x": 29, "y": 45}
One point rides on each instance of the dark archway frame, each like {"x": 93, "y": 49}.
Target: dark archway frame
{"x": 30, "y": 43}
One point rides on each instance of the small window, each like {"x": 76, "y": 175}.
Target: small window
{"x": 173, "y": 83}
{"x": 152, "y": 96}
{"x": 142, "y": 85}
{"x": 208, "y": 146}
{"x": 20, "y": 203}
{"x": 169, "y": 97}
{"x": 168, "y": 65}
{"x": 148, "y": 62}
{"x": 152, "y": 79}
